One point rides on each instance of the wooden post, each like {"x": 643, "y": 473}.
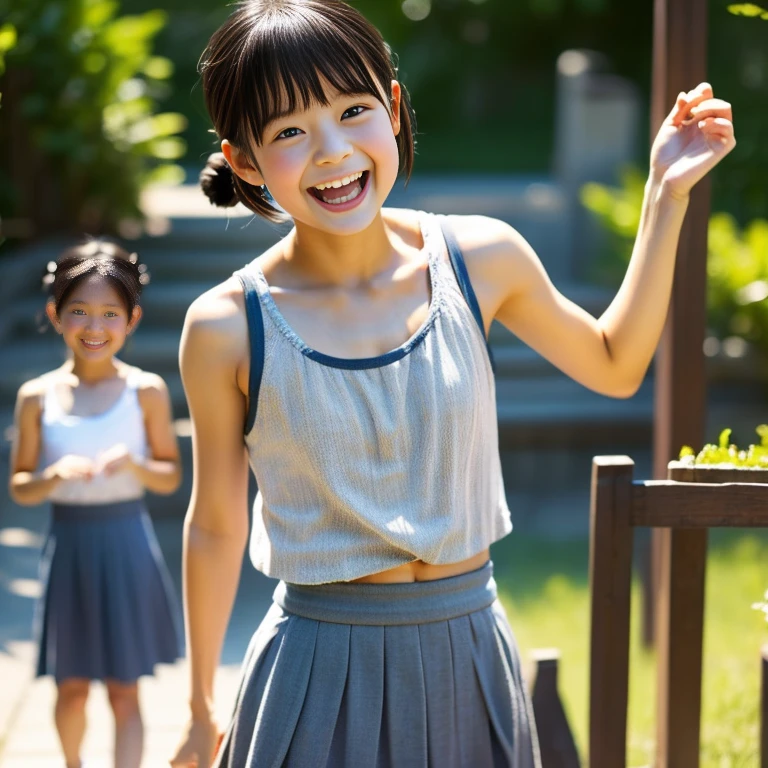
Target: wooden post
{"x": 610, "y": 571}
{"x": 764, "y": 707}
{"x": 679, "y": 64}
{"x": 558, "y": 749}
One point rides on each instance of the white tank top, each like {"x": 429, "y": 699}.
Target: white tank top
{"x": 91, "y": 436}
{"x": 368, "y": 464}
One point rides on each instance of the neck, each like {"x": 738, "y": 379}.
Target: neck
{"x": 342, "y": 260}
{"x": 92, "y": 372}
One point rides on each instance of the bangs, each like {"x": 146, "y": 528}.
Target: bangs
{"x": 291, "y": 59}
{"x": 272, "y": 58}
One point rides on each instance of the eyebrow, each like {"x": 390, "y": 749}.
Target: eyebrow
{"x": 80, "y": 301}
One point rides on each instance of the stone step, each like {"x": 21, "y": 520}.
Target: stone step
{"x": 218, "y": 236}
{"x": 553, "y": 410}
{"x": 167, "y": 262}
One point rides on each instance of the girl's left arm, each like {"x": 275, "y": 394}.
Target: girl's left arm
{"x": 611, "y": 354}
{"x": 160, "y": 471}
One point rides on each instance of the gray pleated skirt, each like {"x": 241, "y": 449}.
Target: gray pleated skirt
{"x": 383, "y": 676}
{"x": 108, "y": 609}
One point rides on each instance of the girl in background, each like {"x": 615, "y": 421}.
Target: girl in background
{"x": 91, "y": 437}
{"x": 351, "y": 360}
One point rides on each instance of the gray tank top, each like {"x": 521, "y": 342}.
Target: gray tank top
{"x": 367, "y": 464}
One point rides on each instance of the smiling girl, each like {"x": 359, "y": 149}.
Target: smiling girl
{"x": 348, "y": 364}
{"x": 91, "y": 437}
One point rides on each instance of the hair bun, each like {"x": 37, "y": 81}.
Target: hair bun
{"x": 217, "y": 181}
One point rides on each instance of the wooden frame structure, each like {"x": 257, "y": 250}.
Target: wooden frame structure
{"x": 691, "y": 500}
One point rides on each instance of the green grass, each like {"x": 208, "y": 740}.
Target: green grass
{"x": 543, "y": 585}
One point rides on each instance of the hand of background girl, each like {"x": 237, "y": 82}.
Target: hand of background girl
{"x": 609, "y": 354}
{"x": 694, "y": 137}
{"x": 71, "y": 467}
{"x": 116, "y": 459}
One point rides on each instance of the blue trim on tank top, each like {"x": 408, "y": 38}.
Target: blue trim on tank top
{"x": 360, "y": 363}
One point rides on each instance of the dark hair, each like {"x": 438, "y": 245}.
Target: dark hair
{"x": 96, "y": 257}
{"x": 269, "y": 58}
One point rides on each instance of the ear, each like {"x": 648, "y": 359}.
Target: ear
{"x": 240, "y": 165}
{"x": 395, "y": 106}
{"x": 134, "y": 321}
{"x": 50, "y": 311}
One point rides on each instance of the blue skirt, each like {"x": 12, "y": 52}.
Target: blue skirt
{"x": 416, "y": 675}
{"x": 108, "y": 610}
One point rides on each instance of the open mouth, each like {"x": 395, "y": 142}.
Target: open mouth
{"x": 341, "y": 191}
{"x": 93, "y": 344}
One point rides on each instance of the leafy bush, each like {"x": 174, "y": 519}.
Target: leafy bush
{"x": 737, "y": 259}
{"x": 80, "y": 135}
{"x": 755, "y": 456}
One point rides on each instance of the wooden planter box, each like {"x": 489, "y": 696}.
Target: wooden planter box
{"x": 693, "y": 499}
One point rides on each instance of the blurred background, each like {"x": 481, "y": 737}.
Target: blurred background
{"x": 533, "y": 111}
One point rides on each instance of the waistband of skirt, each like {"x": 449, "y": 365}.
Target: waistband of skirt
{"x": 63, "y": 513}
{"x": 416, "y": 602}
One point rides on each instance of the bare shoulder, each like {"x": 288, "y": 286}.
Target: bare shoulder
{"x": 485, "y": 239}
{"x": 216, "y": 320}
{"x": 152, "y": 389}
{"x": 29, "y": 399}
{"x": 500, "y": 261}
{"x": 31, "y": 393}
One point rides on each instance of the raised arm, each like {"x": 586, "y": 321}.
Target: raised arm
{"x": 611, "y": 354}
{"x": 213, "y": 363}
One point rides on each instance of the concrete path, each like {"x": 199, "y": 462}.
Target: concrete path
{"x": 27, "y": 734}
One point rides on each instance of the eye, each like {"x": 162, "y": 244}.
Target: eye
{"x": 288, "y": 133}
{"x": 358, "y": 109}
{"x": 78, "y": 311}
{"x": 110, "y": 314}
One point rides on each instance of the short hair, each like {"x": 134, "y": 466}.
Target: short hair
{"x": 272, "y": 57}
{"x": 96, "y": 257}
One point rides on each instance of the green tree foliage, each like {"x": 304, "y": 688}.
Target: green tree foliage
{"x": 79, "y": 127}
{"x": 737, "y": 258}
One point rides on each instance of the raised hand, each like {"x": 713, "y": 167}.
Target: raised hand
{"x": 696, "y": 135}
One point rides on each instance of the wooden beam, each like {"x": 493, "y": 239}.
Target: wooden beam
{"x": 667, "y": 504}
{"x": 610, "y": 573}
{"x": 679, "y": 64}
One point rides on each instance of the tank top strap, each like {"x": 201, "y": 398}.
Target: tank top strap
{"x": 133, "y": 378}
{"x": 461, "y": 273}
{"x": 249, "y": 279}
{"x": 50, "y": 403}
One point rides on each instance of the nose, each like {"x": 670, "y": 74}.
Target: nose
{"x": 94, "y": 323}
{"x": 333, "y": 146}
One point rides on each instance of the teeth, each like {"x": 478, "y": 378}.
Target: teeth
{"x": 93, "y": 343}
{"x": 340, "y": 182}
{"x": 346, "y": 198}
